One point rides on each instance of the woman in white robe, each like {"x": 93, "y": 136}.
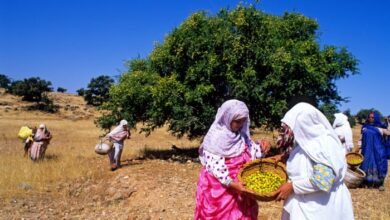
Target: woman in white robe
{"x": 316, "y": 168}
{"x": 117, "y": 136}
{"x": 343, "y": 129}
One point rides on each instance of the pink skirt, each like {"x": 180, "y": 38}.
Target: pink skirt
{"x": 215, "y": 201}
{"x": 37, "y": 150}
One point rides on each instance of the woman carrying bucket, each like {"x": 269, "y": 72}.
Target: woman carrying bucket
{"x": 41, "y": 140}
{"x": 117, "y": 136}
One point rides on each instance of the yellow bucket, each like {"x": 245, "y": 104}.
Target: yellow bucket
{"x": 25, "y": 132}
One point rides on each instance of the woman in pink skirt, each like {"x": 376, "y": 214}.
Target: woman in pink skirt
{"x": 225, "y": 149}
{"x": 41, "y": 141}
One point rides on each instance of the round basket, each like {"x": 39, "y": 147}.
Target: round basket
{"x": 354, "y": 178}
{"x": 354, "y": 159}
{"x": 263, "y": 165}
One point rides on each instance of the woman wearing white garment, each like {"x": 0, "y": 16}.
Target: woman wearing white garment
{"x": 316, "y": 168}
{"x": 343, "y": 129}
{"x": 117, "y": 136}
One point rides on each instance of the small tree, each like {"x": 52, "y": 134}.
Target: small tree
{"x": 60, "y": 89}
{"x": 80, "y": 92}
{"x": 351, "y": 118}
{"x": 97, "y": 90}
{"x": 31, "y": 89}
{"x": 329, "y": 109}
{"x": 5, "y": 81}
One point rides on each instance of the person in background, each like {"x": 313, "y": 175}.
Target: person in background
{"x": 374, "y": 152}
{"x": 225, "y": 149}
{"x": 28, "y": 142}
{"x": 343, "y": 129}
{"x": 387, "y": 143}
{"x": 117, "y": 136}
{"x": 316, "y": 167}
{"x": 40, "y": 143}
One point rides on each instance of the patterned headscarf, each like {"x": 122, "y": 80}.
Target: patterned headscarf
{"x": 285, "y": 139}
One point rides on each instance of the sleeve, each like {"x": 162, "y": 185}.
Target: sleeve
{"x": 322, "y": 179}
{"x": 255, "y": 150}
{"x": 384, "y": 131}
{"x": 216, "y": 166}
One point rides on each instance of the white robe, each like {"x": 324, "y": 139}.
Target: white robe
{"x": 307, "y": 202}
{"x": 343, "y": 129}
{"x": 317, "y": 142}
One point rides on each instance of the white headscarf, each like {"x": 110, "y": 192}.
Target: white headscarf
{"x": 118, "y": 128}
{"x": 220, "y": 139}
{"x": 343, "y": 128}
{"x": 41, "y": 131}
{"x": 316, "y": 137}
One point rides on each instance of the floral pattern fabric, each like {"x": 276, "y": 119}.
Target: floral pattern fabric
{"x": 323, "y": 177}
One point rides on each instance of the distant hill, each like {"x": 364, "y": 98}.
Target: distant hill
{"x": 71, "y": 106}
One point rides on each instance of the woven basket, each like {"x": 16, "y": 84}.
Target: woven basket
{"x": 353, "y": 154}
{"x": 354, "y": 178}
{"x": 263, "y": 165}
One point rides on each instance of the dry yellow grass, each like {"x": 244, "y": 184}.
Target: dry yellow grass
{"x": 71, "y": 151}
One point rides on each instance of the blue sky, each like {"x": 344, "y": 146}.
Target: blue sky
{"x": 70, "y": 41}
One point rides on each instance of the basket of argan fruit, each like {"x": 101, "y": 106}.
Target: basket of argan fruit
{"x": 354, "y": 159}
{"x": 263, "y": 178}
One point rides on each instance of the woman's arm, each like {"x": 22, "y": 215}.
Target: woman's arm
{"x": 259, "y": 149}
{"x": 216, "y": 166}
{"x": 322, "y": 179}
{"x": 384, "y": 131}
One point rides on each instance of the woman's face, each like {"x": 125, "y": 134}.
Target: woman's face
{"x": 125, "y": 127}
{"x": 371, "y": 118}
{"x": 237, "y": 124}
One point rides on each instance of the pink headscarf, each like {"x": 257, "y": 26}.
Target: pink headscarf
{"x": 42, "y": 131}
{"x": 220, "y": 139}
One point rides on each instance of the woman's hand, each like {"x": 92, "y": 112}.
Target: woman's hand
{"x": 264, "y": 146}
{"x": 239, "y": 187}
{"x": 277, "y": 158}
{"x": 284, "y": 191}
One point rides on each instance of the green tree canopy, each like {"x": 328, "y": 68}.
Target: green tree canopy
{"x": 31, "y": 89}
{"x": 80, "y": 92}
{"x": 61, "y": 89}
{"x": 351, "y": 118}
{"x": 97, "y": 90}
{"x": 329, "y": 109}
{"x": 267, "y": 61}
{"x": 5, "y": 81}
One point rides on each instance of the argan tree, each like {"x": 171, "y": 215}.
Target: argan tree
{"x": 265, "y": 60}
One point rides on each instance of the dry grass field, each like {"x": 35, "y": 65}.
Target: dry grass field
{"x": 73, "y": 182}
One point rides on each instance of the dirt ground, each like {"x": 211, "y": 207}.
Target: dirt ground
{"x": 148, "y": 189}
{"x": 155, "y": 182}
